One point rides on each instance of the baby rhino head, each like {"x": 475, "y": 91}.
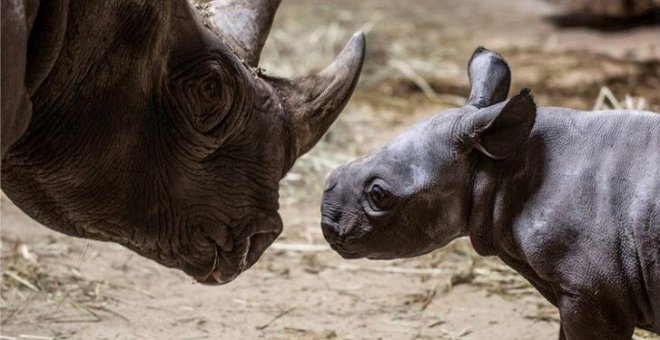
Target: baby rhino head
{"x": 414, "y": 194}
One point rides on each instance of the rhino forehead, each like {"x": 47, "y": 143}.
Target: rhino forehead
{"x": 421, "y": 150}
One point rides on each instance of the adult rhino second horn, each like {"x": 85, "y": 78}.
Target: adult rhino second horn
{"x": 244, "y": 25}
{"x": 315, "y": 101}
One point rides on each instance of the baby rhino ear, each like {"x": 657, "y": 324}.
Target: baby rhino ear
{"x": 498, "y": 130}
{"x": 490, "y": 78}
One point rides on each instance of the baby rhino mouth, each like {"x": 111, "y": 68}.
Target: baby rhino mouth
{"x": 233, "y": 257}
{"x": 347, "y": 244}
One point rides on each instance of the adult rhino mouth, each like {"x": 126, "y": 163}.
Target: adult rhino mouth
{"x": 231, "y": 259}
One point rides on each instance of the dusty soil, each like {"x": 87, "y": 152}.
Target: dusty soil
{"x": 55, "y": 286}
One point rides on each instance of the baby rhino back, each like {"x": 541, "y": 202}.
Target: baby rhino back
{"x": 602, "y": 183}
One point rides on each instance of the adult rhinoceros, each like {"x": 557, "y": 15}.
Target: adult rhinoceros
{"x": 131, "y": 121}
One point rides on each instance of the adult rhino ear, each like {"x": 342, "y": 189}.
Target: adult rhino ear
{"x": 498, "y": 130}
{"x": 315, "y": 101}
{"x": 490, "y": 78}
{"x": 244, "y": 25}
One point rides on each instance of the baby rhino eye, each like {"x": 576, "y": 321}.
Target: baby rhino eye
{"x": 379, "y": 198}
{"x": 377, "y": 193}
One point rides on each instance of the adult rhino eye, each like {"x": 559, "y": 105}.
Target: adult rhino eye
{"x": 379, "y": 198}
{"x": 210, "y": 90}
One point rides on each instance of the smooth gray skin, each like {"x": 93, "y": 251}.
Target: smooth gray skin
{"x": 133, "y": 121}
{"x": 569, "y": 199}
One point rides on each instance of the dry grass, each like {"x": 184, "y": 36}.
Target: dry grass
{"x": 28, "y": 287}
{"x": 607, "y": 101}
{"x": 38, "y": 288}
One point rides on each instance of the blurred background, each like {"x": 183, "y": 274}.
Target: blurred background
{"x": 582, "y": 54}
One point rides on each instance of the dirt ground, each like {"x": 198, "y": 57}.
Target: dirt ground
{"x": 55, "y": 286}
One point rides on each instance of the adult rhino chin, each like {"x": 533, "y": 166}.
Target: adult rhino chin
{"x": 231, "y": 259}
{"x": 163, "y": 137}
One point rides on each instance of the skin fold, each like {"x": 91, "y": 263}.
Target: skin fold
{"x": 569, "y": 199}
{"x": 138, "y": 123}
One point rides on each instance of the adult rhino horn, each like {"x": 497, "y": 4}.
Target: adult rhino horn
{"x": 244, "y": 25}
{"x": 315, "y": 101}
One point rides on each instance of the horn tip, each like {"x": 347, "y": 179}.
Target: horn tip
{"x": 359, "y": 34}
{"x": 352, "y": 55}
{"x": 357, "y": 45}
{"x": 360, "y": 39}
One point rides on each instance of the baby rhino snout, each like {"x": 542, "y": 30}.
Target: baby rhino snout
{"x": 340, "y": 211}
{"x": 331, "y": 207}
{"x": 336, "y": 199}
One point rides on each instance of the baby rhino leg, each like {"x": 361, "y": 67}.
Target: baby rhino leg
{"x": 582, "y": 319}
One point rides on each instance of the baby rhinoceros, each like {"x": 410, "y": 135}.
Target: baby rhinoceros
{"x": 569, "y": 199}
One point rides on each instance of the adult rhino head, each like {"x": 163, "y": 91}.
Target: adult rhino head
{"x": 153, "y": 130}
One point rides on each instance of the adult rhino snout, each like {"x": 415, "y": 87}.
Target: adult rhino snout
{"x": 244, "y": 252}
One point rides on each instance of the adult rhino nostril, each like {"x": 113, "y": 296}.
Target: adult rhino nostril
{"x": 258, "y": 244}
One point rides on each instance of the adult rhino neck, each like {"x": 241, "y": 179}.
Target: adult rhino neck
{"x": 46, "y": 41}
{"x": 499, "y": 191}
{"x": 92, "y": 72}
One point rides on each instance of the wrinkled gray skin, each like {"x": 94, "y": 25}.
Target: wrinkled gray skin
{"x": 131, "y": 121}
{"x": 569, "y": 199}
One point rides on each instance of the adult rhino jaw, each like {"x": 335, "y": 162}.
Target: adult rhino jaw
{"x": 165, "y": 137}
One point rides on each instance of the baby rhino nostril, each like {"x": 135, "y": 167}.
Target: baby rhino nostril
{"x": 330, "y": 184}
{"x": 329, "y": 231}
{"x": 333, "y": 179}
